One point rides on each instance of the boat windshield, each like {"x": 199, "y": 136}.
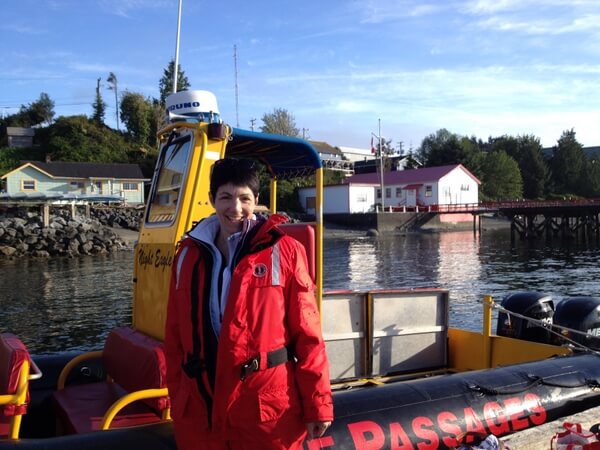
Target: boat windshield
{"x": 171, "y": 168}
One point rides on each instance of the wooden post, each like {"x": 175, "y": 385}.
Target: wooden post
{"x": 87, "y": 210}
{"x": 46, "y": 214}
{"x": 72, "y": 210}
{"x": 512, "y": 230}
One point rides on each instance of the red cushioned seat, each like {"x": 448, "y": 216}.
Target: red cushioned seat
{"x": 134, "y": 362}
{"x": 82, "y": 410}
{"x": 13, "y": 354}
{"x": 305, "y": 234}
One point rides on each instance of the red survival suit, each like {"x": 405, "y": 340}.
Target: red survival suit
{"x": 270, "y": 309}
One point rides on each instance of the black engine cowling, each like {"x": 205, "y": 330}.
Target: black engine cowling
{"x": 530, "y": 304}
{"x": 581, "y": 314}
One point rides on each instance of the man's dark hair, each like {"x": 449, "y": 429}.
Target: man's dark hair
{"x": 239, "y": 172}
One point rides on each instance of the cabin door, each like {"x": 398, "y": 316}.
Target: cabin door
{"x": 411, "y": 197}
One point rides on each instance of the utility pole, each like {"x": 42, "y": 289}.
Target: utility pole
{"x": 304, "y": 131}
{"x": 252, "y": 121}
{"x": 381, "y": 171}
{"x": 400, "y": 148}
{"x": 235, "y": 67}
{"x": 379, "y": 139}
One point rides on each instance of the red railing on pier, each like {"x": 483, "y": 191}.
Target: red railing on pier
{"x": 494, "y": 206}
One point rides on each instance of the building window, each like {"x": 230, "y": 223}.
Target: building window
{"x": 97, "y": 187}
{"x": 388, "y": 192}
{"x": 464, "y": 187}
{"x": 130, "y": 186}
{"x": 428, "y": 191}
{"x": 398, "y": 192}
{"x": 76, "y": 185}
{"x": 28, "y": 185}
{"x": 378, "y": 193}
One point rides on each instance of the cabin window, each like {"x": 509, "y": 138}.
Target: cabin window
{"x": 28, "y": 185}
{"x": 130, "y": 186}
{"x": 378, "y": 193}
{"x": 388, "y": 192}
{"x": 428, "y": 191}
{"x": 172, "y": 165}
{"x": 97, "y": 187}
{"x": 464, "y": 187}
{"x": 76, "y": 185}
{"x": 398, "y": 192}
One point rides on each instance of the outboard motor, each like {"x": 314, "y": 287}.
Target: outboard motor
{"x": 581, "y": 314}
{"x": 530, "y": 304}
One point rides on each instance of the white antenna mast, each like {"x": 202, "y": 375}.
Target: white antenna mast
{"x": 175, "y": 74}
{"x": 237, "y": 115}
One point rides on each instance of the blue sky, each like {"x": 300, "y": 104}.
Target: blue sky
{"x": 476, "y": 67}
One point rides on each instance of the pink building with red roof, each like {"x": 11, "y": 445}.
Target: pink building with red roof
{"x": 443, "y": 185}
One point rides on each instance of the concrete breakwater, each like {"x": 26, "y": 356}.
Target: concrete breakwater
{"x": 22, "y": 232}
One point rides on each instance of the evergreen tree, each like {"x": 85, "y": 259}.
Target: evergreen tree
{"x": 591, "y": 178}
{"x": 568, "y": 165}
{"x": 99, "y": 106}
{"x": 165, "y": 84}
{"x": 534, "y": 169}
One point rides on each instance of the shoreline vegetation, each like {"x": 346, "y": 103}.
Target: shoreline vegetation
{"x": 109, "y": 230}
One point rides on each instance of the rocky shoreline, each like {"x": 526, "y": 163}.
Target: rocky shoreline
{"x": 22, "y": 233}
{"x": 108, "y": 230}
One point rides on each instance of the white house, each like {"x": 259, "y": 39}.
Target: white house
{"x": 443, "y": 185}
{"x": 340, "y": 198}
{"x": 357, "y": 154}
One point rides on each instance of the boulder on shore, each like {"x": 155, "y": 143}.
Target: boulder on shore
{"x": 22, "y": 232}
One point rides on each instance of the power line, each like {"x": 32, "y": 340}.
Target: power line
{"x": 55, "y": 105}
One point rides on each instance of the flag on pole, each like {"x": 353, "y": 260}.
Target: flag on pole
{"x": 373, "y": 149}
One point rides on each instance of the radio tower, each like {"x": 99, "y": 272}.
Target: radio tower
{"x": 237, "y": 115}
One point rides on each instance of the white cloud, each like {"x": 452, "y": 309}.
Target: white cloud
{"x": 541, "y": 27}
{"x": 380, "y": 11}
{"x": 124, "y": 7}
{"x": 21, "y": 29}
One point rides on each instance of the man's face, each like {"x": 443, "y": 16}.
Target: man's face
{"x": 233, "y": 205}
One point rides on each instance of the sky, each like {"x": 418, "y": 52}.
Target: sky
{"x": 342, "y": 68}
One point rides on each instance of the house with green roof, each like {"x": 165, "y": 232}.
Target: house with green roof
{"x": 82, "y": 181}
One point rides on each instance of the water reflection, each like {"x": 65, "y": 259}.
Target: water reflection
{"x": 63, "y": 304}
{"x": 459, "y": 270}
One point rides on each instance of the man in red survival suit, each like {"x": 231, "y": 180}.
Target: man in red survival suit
{"x": 246, "y": 361}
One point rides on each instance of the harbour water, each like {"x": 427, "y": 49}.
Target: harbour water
{"x": 71, "y": 304}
